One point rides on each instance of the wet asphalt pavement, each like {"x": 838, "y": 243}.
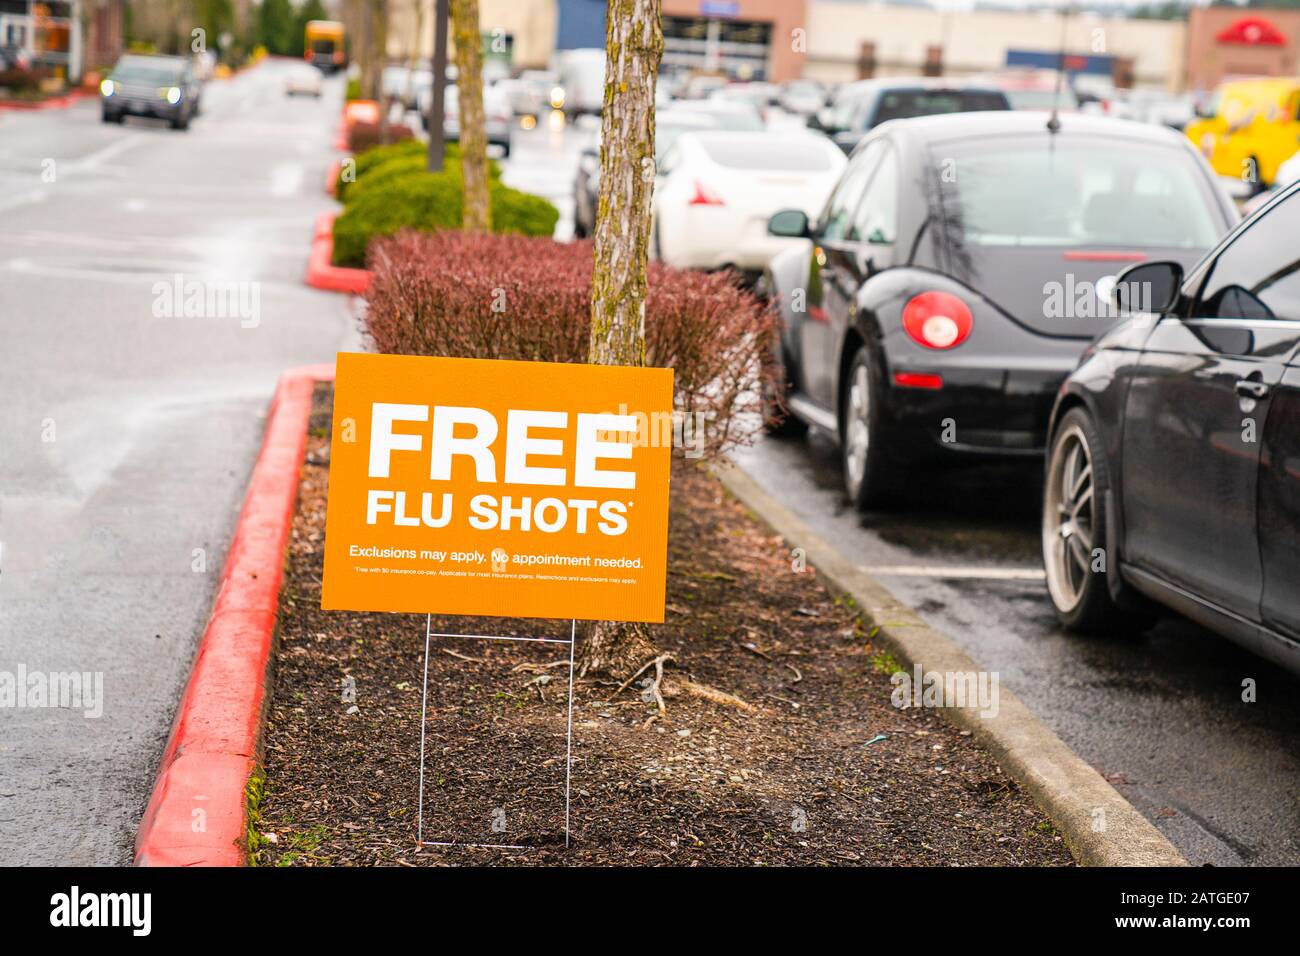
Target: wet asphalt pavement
{"x": 1160, "y": 715}
{"x": 127, "y": 436}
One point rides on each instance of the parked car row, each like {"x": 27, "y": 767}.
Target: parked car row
{"x": 1068, "y": 298}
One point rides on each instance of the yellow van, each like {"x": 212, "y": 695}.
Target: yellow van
{"x": 1250, "y": 128}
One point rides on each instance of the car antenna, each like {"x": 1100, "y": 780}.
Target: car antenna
{"x": 1054, "y": 121}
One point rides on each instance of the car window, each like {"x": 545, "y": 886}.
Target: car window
{"x": 844, "y": 200}
{"x": 904, "y": 104}
{"x": 764, "y": 153}
{"x": 846, "y": 107}
{"x": 1258, "y": 275}
{"x": 876, "y": 219}
{"x": 1014, "y": 191}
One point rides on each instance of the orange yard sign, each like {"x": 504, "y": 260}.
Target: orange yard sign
{"x": 508, "y": 489}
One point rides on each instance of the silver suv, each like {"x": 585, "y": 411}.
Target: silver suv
{"x": 161, "y": 86}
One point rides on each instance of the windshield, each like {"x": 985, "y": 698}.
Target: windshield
{"x": 764, "y": 153}
{"x": 158, "y": 72}
{"x": 666, "y": 133}
{"x": 733, "y": 117}
{"x": 1042, "y": 99}
{"x": 1016, "y": 191}
{"x": 904, "y": 104}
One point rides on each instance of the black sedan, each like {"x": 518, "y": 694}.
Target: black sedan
{"x": 959, "y": 270}
{"x": 1174, "y": 470}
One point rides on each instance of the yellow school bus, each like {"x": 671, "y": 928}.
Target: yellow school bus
{"x": 323, "y": 45}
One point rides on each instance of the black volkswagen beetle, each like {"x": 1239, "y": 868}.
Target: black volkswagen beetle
{"x": 958, "y": 271}
{"x": 1174, "y": 469}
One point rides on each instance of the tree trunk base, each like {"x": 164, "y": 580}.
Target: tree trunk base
{"x": 615, "y": 649}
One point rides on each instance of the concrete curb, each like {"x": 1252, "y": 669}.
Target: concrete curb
{"x": 321, "y": 272}
{"x": 196, "y": 814}
{"x": 1068, "y": 789}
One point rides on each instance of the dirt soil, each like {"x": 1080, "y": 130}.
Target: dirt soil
{"x": 813, "y": 765}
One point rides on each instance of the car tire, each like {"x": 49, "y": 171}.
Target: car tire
{"x": 870, "y": 471}
{"x": 111, "y": 117}
{"x": 1074, "y": 530}
{"x": 181, "y": 123}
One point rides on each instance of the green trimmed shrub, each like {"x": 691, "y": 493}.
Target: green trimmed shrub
{"x": 408, "y": 165}
{"x": 429, "y": 202}
{"x": 362, "y": 163}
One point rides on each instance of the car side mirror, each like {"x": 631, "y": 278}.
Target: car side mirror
{"x": 1148, "y": 287}
{"x": 789, "y": 224}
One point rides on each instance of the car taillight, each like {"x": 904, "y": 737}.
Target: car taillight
{"x": 937, "y": 320}
{"x": 705, "y": 197}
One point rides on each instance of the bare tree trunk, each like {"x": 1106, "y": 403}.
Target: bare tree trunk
{"x": 634, "y": 43}
{"x": 378, "y": 49}
{"x": 473, "y": 125}
{"x": 366, "y": 48}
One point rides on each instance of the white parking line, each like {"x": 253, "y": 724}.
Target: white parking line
{"x": 926, "y": 571}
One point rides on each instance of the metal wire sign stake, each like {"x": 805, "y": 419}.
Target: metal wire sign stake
{"x": 424, "y": 711}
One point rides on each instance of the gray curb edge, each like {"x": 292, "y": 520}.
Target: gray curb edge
{"x": 1065, "y": 786}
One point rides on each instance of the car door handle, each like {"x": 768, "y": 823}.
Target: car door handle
{"x": 1249, "y": 388}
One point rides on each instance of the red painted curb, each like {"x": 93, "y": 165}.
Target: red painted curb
{"x": 332, "y": 176}
{"x": 55, "y": 103}
{"x": 321, "y": 273}
{"x": 196, "y": 814}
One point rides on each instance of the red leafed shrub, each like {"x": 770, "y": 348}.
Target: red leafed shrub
{"x": 515, "y": 297}
{"x": 363, "y": 136}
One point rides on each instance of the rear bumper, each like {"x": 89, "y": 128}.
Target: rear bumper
{"x": 996, "y": 412}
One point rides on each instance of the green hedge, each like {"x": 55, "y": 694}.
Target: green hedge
{"x": 429, "y": 202}
{"x": 364, "y": 162}
{"x": 399, "y": 166}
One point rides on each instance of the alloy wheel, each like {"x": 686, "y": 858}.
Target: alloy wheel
{"x": 1068, "y": 519}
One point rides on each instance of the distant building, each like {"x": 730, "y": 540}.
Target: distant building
{"x": 1232, "y": 41}
{"x": 67, "y": 37}
{"x": 838, "y": 40}
{"x": 756, "y": 39}
{"x": 855, "y": 40}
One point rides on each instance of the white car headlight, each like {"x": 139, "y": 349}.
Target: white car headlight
{"x": 173, "y": 95}
{"x": 107, "y": 87}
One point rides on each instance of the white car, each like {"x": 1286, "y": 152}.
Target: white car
{"x": 302, "y": 79}
{"x": 716, "y": 191}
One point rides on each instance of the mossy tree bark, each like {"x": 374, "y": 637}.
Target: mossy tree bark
{"x": 634, "y": 44}
{"x": 473, "y": 126}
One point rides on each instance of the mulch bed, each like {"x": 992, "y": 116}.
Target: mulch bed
{"x": 820, "y": 769}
